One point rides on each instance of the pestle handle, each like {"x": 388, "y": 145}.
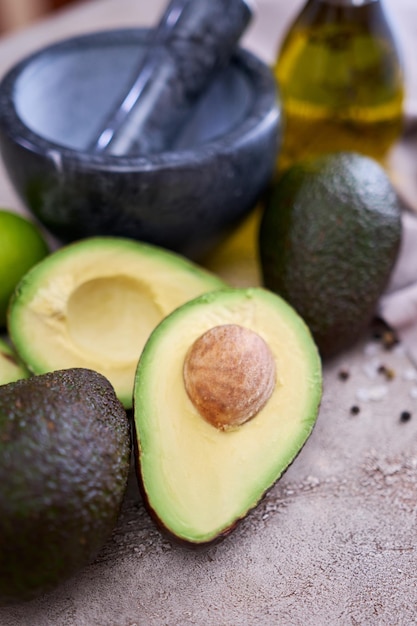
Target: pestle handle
{"x": 193, "y": 40}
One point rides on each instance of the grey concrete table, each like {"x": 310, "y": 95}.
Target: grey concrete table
{"x": 334, "y": 542}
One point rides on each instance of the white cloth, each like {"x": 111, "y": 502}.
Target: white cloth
{"x": 398, "y": 305}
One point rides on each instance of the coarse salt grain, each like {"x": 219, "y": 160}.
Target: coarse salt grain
{"x": 371, "y": 368}
{"x": 410, "y": 374}
{"x": 366, "y": 394}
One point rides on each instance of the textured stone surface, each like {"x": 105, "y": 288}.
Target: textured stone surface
{"x": 192, "y": 41}
{"x": 332, "y": 542}
{"x": 183, "y": 199}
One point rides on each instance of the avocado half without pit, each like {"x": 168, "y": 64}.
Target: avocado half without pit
{"x": 226, "y": 393}
{"x": 94, "y": 303}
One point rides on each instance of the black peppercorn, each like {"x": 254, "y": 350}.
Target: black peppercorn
{"x": 405, "y": 416}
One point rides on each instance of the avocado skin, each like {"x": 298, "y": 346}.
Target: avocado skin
{"x": 64, "y": 463}
{"x": 328, "y": 240}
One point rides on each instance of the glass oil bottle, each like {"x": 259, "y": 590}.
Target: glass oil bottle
{"x": 341, "y": 81}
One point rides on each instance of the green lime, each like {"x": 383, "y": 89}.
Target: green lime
{"x": 21, "y": 246}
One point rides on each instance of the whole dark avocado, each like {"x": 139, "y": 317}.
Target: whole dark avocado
{"x": 64, "y": 462}
{"x": 329, "y": 237}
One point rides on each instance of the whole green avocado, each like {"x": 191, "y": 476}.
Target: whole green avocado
{"x": 329, "y": 238}
{"x": 64, "y": 463}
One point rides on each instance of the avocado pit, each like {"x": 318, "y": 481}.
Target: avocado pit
{"x": 229, "y": 375}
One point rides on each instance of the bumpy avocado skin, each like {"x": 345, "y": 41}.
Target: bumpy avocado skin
{"x": 64, "y": 463}
{"x": 329, "y": 238}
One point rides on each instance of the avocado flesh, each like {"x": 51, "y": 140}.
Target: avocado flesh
{"x": 198, "y": 481}
{"x": 329, "y": 238}
{"x": 11, "y": 369}
{"x": 64, "y": 463}
{"x": 94, "y": 303}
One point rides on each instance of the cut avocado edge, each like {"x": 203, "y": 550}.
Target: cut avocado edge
{"x": 93, "y": 303}
{"x": 11, "y": 368}
{"x": 156, "y": 482}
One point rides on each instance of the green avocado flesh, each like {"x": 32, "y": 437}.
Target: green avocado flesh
{"x": 197, "y": 479}
{"x": 329, "y": 238}
{"x": 94, "y": 303}
{"x": 11, "y": 369}
{"x": 64, "y": 463}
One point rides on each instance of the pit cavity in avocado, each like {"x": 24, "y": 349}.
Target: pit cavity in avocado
{"x": 94, "y": 304}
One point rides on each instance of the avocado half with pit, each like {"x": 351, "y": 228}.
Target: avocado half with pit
{"x": 226, "y": 393}
{"x": 94, "y": 303}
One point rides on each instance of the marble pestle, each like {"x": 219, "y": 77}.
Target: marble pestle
{"x": 192, "y": 41}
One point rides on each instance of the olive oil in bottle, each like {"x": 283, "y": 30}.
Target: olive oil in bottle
{"x": 340, "y": 80}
